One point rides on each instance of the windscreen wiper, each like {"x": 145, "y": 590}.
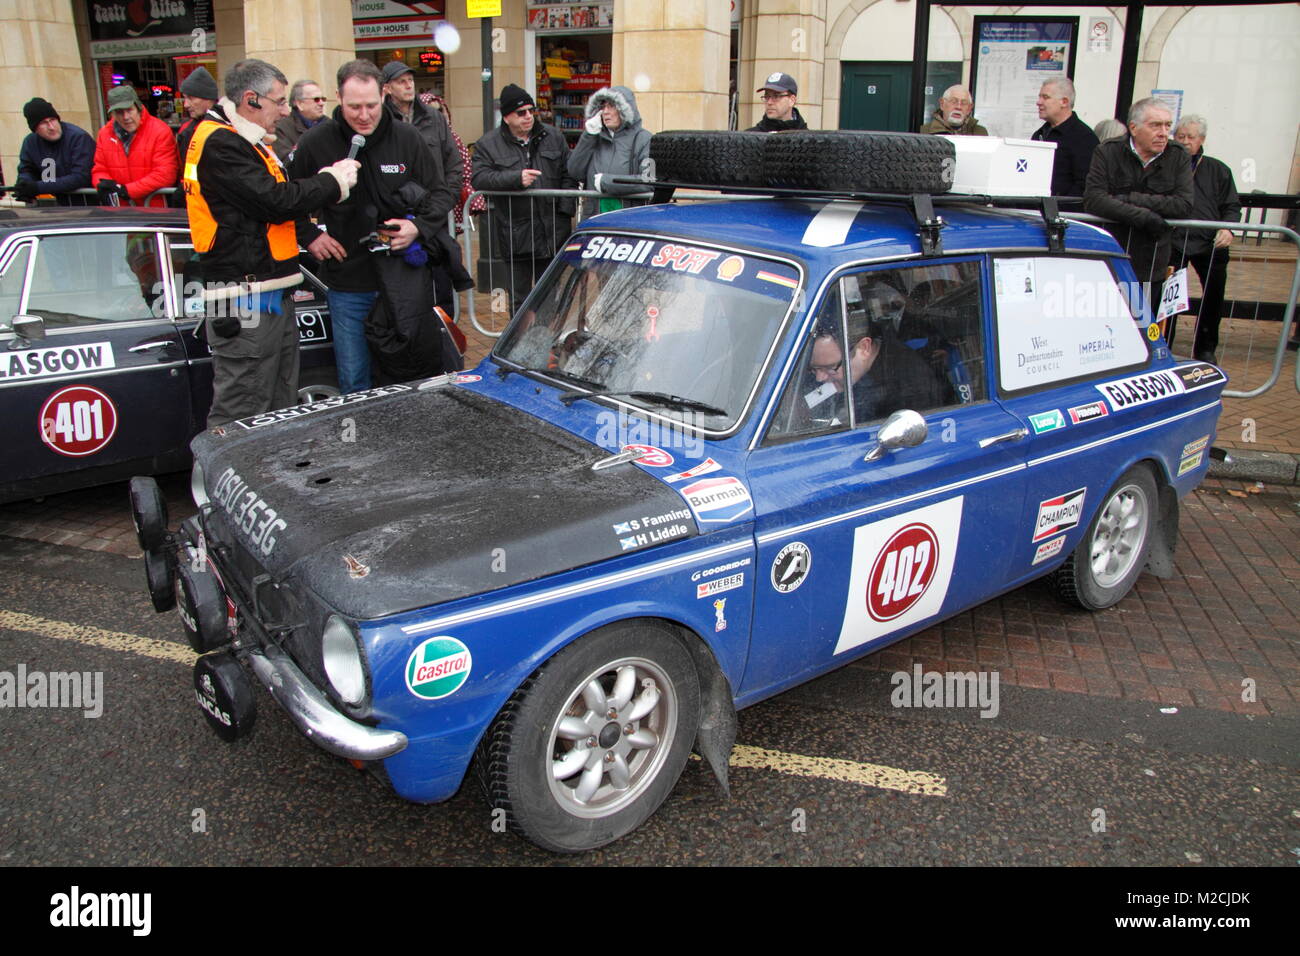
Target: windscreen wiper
{"x": 669, "y": 401}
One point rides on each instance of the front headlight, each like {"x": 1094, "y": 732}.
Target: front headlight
{"x": 341, "y": 653}
{"x": 197, "y": 491}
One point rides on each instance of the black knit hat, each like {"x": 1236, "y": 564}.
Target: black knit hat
{"x": 513, "y": 97}
{"x": 36, "y": 110}
{"x": 200, "y": 84}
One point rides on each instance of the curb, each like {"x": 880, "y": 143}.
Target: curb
{"x": 1275, "y": 468}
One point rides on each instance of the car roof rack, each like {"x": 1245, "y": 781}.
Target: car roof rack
{"x": 921, "y": 205}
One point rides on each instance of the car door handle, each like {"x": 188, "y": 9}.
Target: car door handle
{"x": 1015, "y": 435}
{"x": 150, "y": 346}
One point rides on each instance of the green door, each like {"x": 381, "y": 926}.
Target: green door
{"x": 875, "y": 95}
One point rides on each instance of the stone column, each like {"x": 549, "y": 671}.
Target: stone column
{"x": 228, "y": 22}
{"x": 306, "y": 39}
{"x": 40, "y": 58}
{"x": 784, "y": 36}
{"x": 674, "y": 56}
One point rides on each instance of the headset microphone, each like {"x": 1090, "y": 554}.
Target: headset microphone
{"x": 254, "y": 102}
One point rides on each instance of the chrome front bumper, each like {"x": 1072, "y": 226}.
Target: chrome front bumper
{"x": 315, "y": 716}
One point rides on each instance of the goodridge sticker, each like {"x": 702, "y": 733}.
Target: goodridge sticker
{"x": 438, "y": 668}
{"x": 902, "y": 567}
{"x": 1058, "y": 514}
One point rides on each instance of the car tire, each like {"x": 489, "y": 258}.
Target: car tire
{"x": 859, "y": 161}
{"x": 568, "y": 775}
{"x": 148, "y": 513}
{"x": 317, "y": 384}
{"x": 1113, "y": 552}
{"x": 708, "y": 157}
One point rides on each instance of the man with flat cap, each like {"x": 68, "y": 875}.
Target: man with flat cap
{"x": 779, "y": 112}
{"x": 55, "y": 158}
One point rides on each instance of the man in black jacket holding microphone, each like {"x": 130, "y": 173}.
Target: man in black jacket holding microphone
{"x": 375, "y": 246}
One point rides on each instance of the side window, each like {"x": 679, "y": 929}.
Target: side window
{"x": 1060, "y": 319}
{"x": 885, "y": 340}
{"x": 11, "y": 283}
{"x": 186, "y": 277}
{"x": 96, "y": 277}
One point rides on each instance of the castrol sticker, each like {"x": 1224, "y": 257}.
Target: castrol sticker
{"x": 438, "y": 668}
{"x": 902, "y": 567}
{"x": 77, "y": 421}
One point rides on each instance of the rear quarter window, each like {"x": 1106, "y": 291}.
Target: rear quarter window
{"x": 1061, "y": 319}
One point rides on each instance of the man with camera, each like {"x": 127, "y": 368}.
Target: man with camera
{"x": 377, "y": 245}
{"x": 242, "y": 210}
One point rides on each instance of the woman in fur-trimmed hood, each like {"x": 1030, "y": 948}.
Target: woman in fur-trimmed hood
{"x": 614, "y": 144}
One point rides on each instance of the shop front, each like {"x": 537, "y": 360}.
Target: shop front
{"x": 386, "y": 30}
{"x": 574, "y": 52}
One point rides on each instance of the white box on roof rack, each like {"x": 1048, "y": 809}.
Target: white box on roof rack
{"x": 994, "y": 166}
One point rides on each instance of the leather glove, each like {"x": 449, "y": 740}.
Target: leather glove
{"x": 27, "y": 189}
{"x": 109, "y": 187}
{"x": 595, "y": 124}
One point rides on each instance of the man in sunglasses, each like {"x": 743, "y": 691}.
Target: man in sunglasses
{"x": 779, "y": 111}
{"x": 523, "y": 154}
{"x": 308, "y": 109}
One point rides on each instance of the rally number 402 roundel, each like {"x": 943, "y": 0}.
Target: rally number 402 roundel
{"x": 77, "y": 421}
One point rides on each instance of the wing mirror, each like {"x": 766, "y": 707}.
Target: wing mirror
{"x": 903, "y": 429}
{"x": 25, "y": 328}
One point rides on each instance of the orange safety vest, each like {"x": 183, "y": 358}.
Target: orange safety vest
{"x": 281, "y": 237}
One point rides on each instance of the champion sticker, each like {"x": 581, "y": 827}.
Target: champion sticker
{"x": 902, "y": 568}
{"x": 703, "y": 468}
{"x": 1058, "y": 514}
{"x": 1192, "y": 447}
{"x": 1187, "y": 464}
{"x": 650, "y": 455}
{"x": 791, "y": 566}
{"x": 438, "y": 668}
{"x": 77, "y": 421}
{"x": 1086, "y": 413}
{"x": 1141, "y": 389}
{"x": 32, "y": 364}
{"x": 1047, "y": 421}
{"x": 718, "y": 499}
{"x": 1049, "y": 549}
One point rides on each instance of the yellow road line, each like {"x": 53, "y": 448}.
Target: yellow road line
{"x": 845, "y": 771}
{"x": 97, "y": 637}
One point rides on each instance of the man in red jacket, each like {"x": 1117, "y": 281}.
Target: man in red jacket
{"x": 134, "y": 152}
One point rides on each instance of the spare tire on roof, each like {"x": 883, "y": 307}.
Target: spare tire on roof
{"x": 859, "y": 161}
{"x": 708, "y": 157}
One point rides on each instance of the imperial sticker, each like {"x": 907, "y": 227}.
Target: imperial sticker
{"x": 717, "y": 586}
{"x": 703, "y": 468}
{"x": 32, "y": 364}
{"x": 1058, "y": 514}
{"x": 791, "y": 566}
{"x": 1200, "y": 375}
{"x": 1086, "y": 413}
{"x": 718, "y": 499}
{"x": 1187, "y": 464}
{"x": 438, "y": 668}
{"x": 902, "y": 568}
{"x": 1140, "y": 389}
{"x": 1192, "y": 447}
{"x": 1047, "y": 421}
{"x": 77, "y": 421}
{"x": 650, "y": 455}
{"x": 1048, "y": 549}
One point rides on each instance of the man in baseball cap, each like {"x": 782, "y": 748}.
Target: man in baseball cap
{"x": 779, "y": 112}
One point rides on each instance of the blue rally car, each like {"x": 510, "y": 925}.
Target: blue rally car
{"x": 723, "y": 448}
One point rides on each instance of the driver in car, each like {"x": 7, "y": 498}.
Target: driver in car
{"x": 882, "y": 373}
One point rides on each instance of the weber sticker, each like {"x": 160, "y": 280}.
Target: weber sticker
{"x": 438, "y": 668}
{"x": 1187, "y": 464}
{"x": 1049, "y": 549}
{"x": 1141, "y": 389}
{"x": 31, "y": 364}
{"x": 718, "y": 499}
{"x": 717, "y": 586}
{"x": 1192, "y": 447}
{"x": 1058, "y": 514}
{"x": 1086, "y": 413}
{"x": 1047, "y": 421}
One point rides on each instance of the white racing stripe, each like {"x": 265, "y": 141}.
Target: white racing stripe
{"x": 830, "y": 227}
{"x": 97, "y": 637}
{"x": 843, "y": 771}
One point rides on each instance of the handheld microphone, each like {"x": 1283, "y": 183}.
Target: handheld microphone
{"x": 357, "y": 142}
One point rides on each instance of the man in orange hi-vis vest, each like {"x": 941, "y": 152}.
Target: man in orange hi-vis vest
{"x": 242, "y": 209}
